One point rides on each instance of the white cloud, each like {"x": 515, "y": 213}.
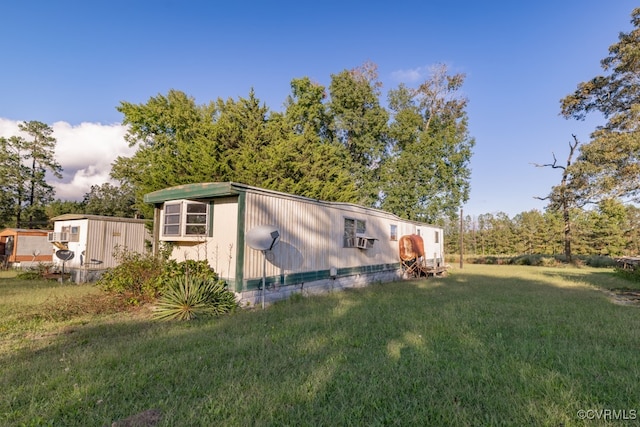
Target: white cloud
{"x": 410, "y": 76}
{"x": 418, "y": 74}
{"x": 85, "y": 153}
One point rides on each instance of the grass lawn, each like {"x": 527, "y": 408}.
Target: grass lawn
{"x": 488, "y": 345}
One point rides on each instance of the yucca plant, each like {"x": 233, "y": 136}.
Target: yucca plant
{"x": 185, "y": 298}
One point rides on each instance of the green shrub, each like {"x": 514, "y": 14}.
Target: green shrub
{"x": 599, "y": 261}
{"x": 29, "y": 275}
{"x": 137, "y": 275}
{"x": 549, "y": 261}
{"x": 632, "y": 275}
{"x": 143, "y": 278}
{"x": 191, "y": 268}
{"x": 33, "y": 273}
{"x": 187, "y": 297}
{"x": 537, "y": 260}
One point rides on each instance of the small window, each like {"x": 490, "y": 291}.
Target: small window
{"x": 74, "y": 234}
{"x": 437, "y": 237}
{"x": 172, "y": 219}
{"x": 393, "y": 232}
{"x": 196, "y": 223}
{"x": 185, "y": 219}
{"x": 353, "y": 227}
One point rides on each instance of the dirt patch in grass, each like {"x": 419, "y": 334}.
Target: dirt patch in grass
{"x": 146, "y": 418}
{"x": 625, "y": 296}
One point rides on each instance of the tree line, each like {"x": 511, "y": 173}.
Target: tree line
{"x": 335, "y": 143}
{"x": 593, "y": 210}
{"x": 610, "y": 229}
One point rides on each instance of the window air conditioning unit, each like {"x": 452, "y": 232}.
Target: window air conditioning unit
{"x": 364, "y": 242}
{"x": 58, "y": 237}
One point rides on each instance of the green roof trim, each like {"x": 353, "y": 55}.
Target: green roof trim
{"x": 204, "y": 190}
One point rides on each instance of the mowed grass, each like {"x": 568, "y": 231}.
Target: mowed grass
{"x": 488, "y": 345}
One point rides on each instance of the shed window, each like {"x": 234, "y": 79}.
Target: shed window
{"x": 437, "y": 237}
{"x": 393, "y": 232}
{"x": 184, "y": 219}
{"x": 72, "y": 233}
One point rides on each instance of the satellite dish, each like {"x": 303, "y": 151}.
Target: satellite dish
{"x": 263, "y": 237}
{"x": 65, "y": 254}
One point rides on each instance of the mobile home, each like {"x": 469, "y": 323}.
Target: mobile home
{"x": 20, "y": 247}
{"x": 320, "y": 245}
{"x": 85, "y": 244}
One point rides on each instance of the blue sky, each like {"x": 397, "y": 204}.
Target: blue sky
{"x": 70, "y": 64}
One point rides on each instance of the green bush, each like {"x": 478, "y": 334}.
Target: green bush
{"x": 187, "y": 297}
{"x": 141, "y": 278}
{"x": 29, "y": 275}
{"x": 536, "y": 260}
{"x": 137, "y": 275}
{"x": 632, "y": 275}
{"x": 191, "y": 268}
{"x": 33, "y": 273}
{"x": 599, "y": 261}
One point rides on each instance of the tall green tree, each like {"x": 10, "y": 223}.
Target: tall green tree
{"x": 426, "y": 177}
{"x": 631, "y": 230}
{"x": 110, "y": 200}
{"x": 302, "y": 158}
{"x": 174, "y": 142}
{"x": 61, "y": 207}
{"x": 241, "y": 131}
{"x": 609, "y": 165}
{"x": 331, "y": 148}
{"x": 606, "y": 235}
{"x": 25, "y": 163}
{"x": 527, "y": 226}
{"x": 180, "y": 142}
{"x": 13, "y": 180}
{"x": 39, "y": 152}
{"x": 359, "y": 123}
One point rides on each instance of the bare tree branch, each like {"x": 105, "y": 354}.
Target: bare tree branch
{"x": 561, "y": 194}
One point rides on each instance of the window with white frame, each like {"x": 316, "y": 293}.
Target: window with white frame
{"x": 353, "y": 228}
{"x": 185, "y": 219}
{"x": 73, "y": 233}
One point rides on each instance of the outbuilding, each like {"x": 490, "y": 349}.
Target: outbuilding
{"x": 317, "y": 245}
{"x": 22, "y": 248}
{"x": 86, "y": 245}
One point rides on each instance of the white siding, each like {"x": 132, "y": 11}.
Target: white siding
{"x": 311, "y": 235}
{"x": 220, "y": 249}
{"x": 98, "y": 240}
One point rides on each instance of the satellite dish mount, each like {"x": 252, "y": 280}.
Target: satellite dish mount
{"x": 263, "y": 238}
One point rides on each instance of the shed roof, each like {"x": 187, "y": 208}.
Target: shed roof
{"x": 71, "y": 217}
{"x": 23, "y": 231}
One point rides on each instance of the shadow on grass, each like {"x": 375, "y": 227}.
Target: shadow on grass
{"x": 471, "y": 349}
